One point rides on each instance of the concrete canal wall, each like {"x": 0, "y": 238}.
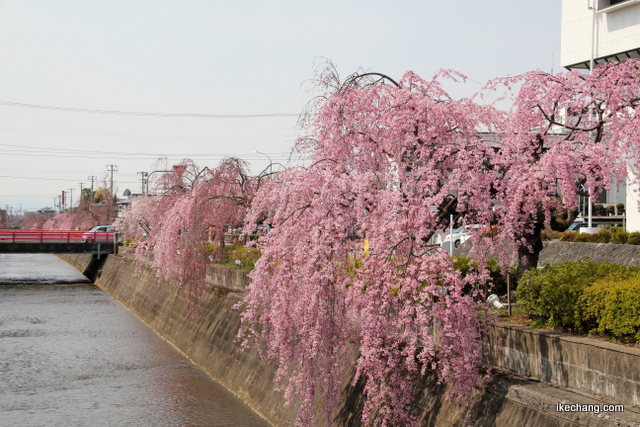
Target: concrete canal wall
{"x": 540, "y": 368}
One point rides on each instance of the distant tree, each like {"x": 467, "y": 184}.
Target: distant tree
{"x": 142, "y": 215}
{"x": 101, "y": 195}
{"x": 84, "y": 217}
{"x": 87, "y": 215}
{"x": 188, "y": 204}
{"x": 85, "y": 194}
{"x": 3, "y": 218}
{"x": 34, "y": 221}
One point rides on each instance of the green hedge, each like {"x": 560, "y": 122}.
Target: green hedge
{"x": 247, "y": 256}
{"x": 583, "y": 297}
{"x": 614, "y": 306}
{"x": 604, "y": 235}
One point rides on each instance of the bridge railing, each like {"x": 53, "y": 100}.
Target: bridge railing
{"x": 68, "y": 236}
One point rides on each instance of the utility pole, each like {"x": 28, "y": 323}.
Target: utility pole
{"x": 80, "y": 192}
{"x": 112, "y": 169}
{"x": 144, "y": 177}
{"x": 70, "y": 199}
{"x": 63, "y": 204}
{"x": 92, "y": 179}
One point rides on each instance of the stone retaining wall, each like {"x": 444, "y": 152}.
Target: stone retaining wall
{"x": 606, "y": 370}
{"x": 555, "y": 252}
{"x": 207, "y": 336}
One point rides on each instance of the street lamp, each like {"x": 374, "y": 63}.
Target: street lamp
{"x": 590, "y": 229}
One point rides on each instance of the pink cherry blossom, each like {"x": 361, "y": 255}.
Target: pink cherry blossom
{"x": 390, "y": 162}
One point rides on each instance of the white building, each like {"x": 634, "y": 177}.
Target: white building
{"x": 607, "y": 30}
{"x": 599, "y": 31}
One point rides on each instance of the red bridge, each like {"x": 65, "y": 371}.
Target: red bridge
{"x": 57, "y": 241}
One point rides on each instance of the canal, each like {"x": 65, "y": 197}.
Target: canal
{"x": 70, "y": 355}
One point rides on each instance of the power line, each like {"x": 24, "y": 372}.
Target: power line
{"x": 66, "y": 150}
{"x": 144, "y": 113}
{"x": 47, "y": 171}
{"x": 137, "y": 135}
{"x": 171, "y": 157}
{"x": 190, "y": 126}
{"x": 85, "y": 156}
{"x": 44, "y": 179}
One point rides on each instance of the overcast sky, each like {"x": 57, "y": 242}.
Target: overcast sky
{"x": 62, "y": 60}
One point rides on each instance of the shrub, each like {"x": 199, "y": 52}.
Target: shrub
{"x": 603, "y": 236}
{"x": 610, "y": 210}
{"x": 247, "y": 256}
{"x": 620, "y": 207}
{"x": 212, "y": 251}
{"x": 613, "y": 235}
{"x": 582, "y": 237}
{"x": 599, "y": 210}
{"x": 499, "y": 281}
{"x": 568, "y": 236}
{"x": 554, "y": 293}
{"x": 132, "y": 242}
{"x": 549, "y": 234}
{"x": 229, "y": 254}
{"x": 619, "y": 236}
{"x": 633, "y": 238}
{"x": 613, "y": 305}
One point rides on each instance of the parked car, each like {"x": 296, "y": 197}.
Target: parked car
{"x": 99, "y": 234}
{"x": 577, "y": 225}
{"x": 464, "y": 233}
{"x": 458, "y": 236}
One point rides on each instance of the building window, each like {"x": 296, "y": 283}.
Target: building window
{"x": 604, "y": 4}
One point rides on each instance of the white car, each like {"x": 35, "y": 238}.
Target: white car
{"x": 99, "y": 234}
{"x": 461, "y": 235}
{"x": 577, "y": 225}
{"x": 458, "y": 236}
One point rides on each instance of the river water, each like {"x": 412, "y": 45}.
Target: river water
{"x": 72, "y": 356}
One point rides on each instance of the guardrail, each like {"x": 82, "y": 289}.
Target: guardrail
{"x": 68, "y": 236}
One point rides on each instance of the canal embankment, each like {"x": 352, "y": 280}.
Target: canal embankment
{"x": 536, "y": 370}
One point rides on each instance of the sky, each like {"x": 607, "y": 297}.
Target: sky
{"x": 86, "y": 84}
